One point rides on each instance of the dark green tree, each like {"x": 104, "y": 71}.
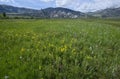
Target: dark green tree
{"x": 4, "y": 14}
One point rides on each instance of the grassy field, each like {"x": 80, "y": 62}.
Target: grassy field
{"x": 60, "y": 49}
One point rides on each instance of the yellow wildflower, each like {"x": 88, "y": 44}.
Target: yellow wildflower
{"x": 22, "y": 50}
{"x": 63, "y": 49}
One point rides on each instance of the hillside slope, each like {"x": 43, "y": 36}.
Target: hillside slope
{"x": 43, "y": 13}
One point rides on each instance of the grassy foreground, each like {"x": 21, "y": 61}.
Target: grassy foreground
{"x": 60, "y": 49}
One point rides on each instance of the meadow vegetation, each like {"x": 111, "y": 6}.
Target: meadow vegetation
{"x": 59, "y": 49}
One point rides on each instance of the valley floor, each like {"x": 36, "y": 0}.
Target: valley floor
{"x": 60, "y": 49}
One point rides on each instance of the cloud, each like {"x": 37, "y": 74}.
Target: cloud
{"x": 78, "y": 5}
{"x": 46, "y": 0}
{"x": 12, "y": 1}
{"x": 87, "y": 5}
{"x": 61, "y": 3}
{"x": 66, "y": 3}
{"x": 97, "y": 5}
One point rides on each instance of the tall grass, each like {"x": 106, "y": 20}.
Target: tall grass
{"x": 59, "y": 49}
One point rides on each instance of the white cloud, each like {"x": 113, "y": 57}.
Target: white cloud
{"x": 79, "y": 5}
{"x": 60, "y": 3}
{"x": 65, "y": 3}
{"x": 46, "y": 0}
{"x": 87, "y": 5}
{"x": 7, "y": 1}
{"x": 98, "y": 4}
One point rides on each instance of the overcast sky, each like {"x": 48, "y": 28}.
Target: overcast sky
{"x": 79, "y": 5}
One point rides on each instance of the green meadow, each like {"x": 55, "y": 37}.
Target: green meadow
{"x": 60, "y": 49}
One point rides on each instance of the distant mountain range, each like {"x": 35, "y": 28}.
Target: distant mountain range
{"x": 58, "y": 12}
{"x": 107, "y": 13}
{"x": 43, "y": 13}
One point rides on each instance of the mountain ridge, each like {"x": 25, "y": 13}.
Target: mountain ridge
{"x": 107, "y": 13}
{"x": 58, "y": 12}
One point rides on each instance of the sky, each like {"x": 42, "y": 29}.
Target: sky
{"x": 78, "y": 5}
